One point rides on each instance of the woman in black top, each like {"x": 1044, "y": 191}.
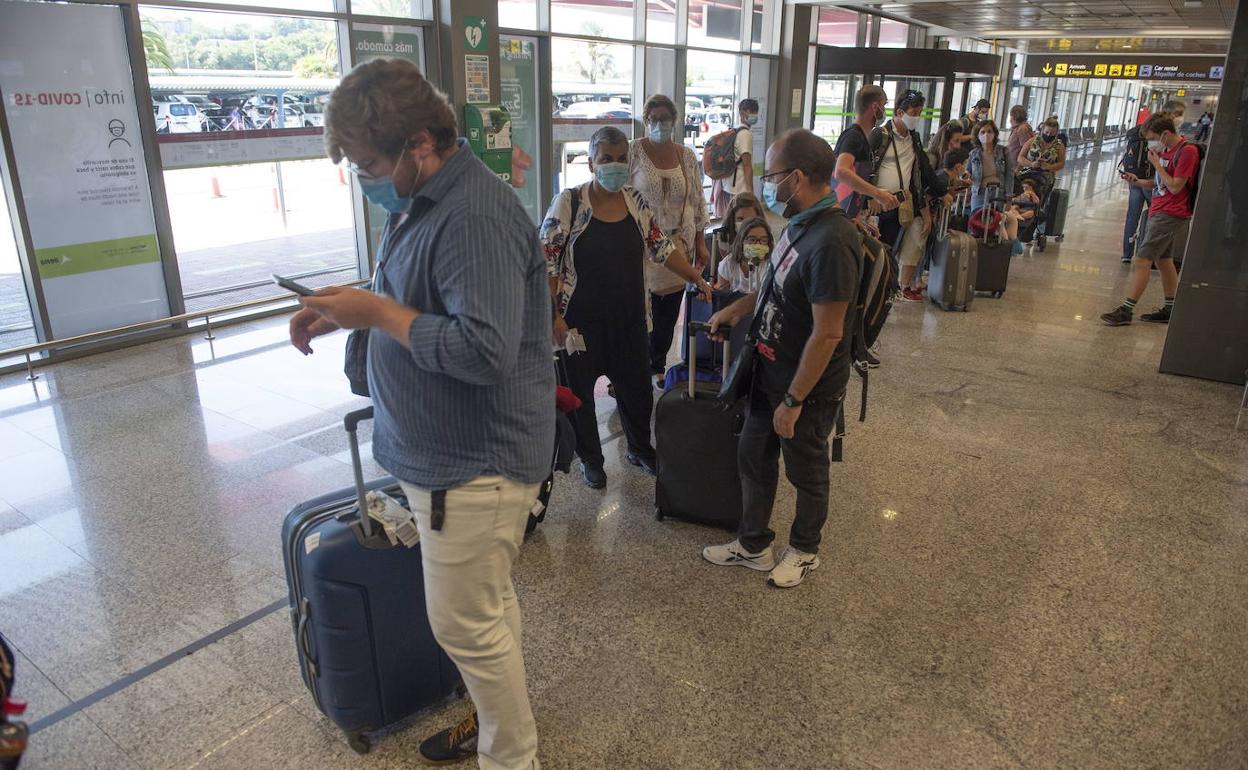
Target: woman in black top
{"x": 596, "y": 260}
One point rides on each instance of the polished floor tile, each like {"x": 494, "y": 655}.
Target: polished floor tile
{"x": 1035, "y": 557}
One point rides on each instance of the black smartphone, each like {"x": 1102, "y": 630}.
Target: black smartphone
{"x": 901, "y": 196}
{"x": 292, "y": 285}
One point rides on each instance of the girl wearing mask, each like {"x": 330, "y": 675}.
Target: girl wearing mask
{"x": 669, "y": 177}
{"x": 1045, "y": 153}
{"x": 739, "y": 272}
{"x": 596, "y": 261}
{"x": 741, "y": 208}
{"x": 987, "y": 165}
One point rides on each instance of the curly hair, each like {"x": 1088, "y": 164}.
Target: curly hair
{"x": 381, "y": 105}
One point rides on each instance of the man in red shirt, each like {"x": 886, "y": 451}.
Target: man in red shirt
{"x": 1176, "y": 163}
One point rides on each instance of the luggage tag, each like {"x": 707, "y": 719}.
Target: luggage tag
{"x": 575, "y": 342}
{"x": 393, "y": 517}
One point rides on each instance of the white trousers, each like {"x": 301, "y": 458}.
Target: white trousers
{"x": 473, "y": 609}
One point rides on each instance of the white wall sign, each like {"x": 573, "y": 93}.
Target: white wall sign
{"x": 69, "y": 99}
{"x": 219, "y": 148}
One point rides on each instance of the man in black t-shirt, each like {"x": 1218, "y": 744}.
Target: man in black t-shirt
{"x": 855, "y": 164}
{"x": 803, "y": 360}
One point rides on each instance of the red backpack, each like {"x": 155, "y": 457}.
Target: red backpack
{"x": 719, "y": 156}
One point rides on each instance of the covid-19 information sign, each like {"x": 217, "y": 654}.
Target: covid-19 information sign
{"x": 69, "y": 102}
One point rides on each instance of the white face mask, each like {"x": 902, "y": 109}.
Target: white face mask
{"x": 1156, "y": 145}
{"x": 911, "y": 122}
{"x": 985, "y": 137}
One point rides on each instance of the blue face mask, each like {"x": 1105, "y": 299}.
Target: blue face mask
{"x": 660, "y": 133}
{"x": 750, "y": 120}
{"x": 382, "y": 192}
{"x": 612, "y": 176}
{"x": 771, "y": 192}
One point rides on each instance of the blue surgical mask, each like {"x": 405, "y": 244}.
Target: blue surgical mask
{"x": 750, "y": 120}
{"x": 771, "y": 196}
{"x": 612, "y": 176}
{"x": 660, "y": 133}
{"x": 382, "y": 192}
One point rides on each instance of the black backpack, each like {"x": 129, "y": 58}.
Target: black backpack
{"x": 1194, "y": 182}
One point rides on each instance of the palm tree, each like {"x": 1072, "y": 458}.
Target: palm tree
{"x": 156, "y": 50}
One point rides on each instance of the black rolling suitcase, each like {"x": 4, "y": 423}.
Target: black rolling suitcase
{"x": 993, "y": 263}
{"x": 695, "y": 437}
{"x": 357, "y": 604}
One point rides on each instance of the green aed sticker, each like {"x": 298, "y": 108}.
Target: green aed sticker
{"x": 475, "y": 36}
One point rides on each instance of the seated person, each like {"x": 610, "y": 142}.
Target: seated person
{"x": 739, "y": 271}
{"x": 1022, "y": 210}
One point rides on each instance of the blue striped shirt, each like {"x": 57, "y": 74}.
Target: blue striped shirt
{"x": 475, "y": 395}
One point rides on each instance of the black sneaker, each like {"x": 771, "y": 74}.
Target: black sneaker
{"x": 647, "y": 464}
{"x": 595, "y": 477}
{"x": 1159, "y": 316}
{"x": 1119, "y": 316}
{"x": 452, "y": 745}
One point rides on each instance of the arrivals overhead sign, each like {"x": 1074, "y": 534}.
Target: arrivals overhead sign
{"x": 1140, "y": 67}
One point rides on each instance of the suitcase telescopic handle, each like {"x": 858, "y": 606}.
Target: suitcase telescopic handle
{"x": 352, "y": 423}
{"x": 705, "y": 328}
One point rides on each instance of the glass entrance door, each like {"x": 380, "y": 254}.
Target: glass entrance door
{"x": 834, "y": 105}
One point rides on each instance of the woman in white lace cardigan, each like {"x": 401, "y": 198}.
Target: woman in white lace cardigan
{"x": 669, "y": 177}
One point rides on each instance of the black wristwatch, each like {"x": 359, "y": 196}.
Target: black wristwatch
{"x": 791, "y": 402}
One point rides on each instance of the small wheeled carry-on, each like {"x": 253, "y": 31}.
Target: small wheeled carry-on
{"x": 954, "y": 263}
{"x": 1054, "y": 225}
{"x": 357, "y": 604}
{"x": 994, "y": 252}
{"x": 695, "y": 437}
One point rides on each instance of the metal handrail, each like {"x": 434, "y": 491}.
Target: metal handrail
{"x": 39, "y": 347}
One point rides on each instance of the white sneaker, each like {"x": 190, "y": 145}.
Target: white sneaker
{"x": 793, "y": 568}
{"x": 734, "y": 555}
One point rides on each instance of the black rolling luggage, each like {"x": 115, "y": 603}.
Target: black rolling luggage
{"x": 993, "y": 262}
{"x": 695, "y": 437}
{"x": 357, "y": 604}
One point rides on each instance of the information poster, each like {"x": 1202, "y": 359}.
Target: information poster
{"x": 376, "y": 41}
{"x": 69, "y": 100}
{"x": 518, "y": 71}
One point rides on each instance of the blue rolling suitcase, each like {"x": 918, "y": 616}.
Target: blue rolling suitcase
{"x": 357, "y": 605}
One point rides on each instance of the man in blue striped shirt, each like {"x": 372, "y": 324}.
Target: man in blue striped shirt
{"x": 459, "y": 368}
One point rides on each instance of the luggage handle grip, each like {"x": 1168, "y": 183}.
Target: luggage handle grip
{"x": 305, "y": 642}
{"x": 704, "y": 327}
{"x": 352, "y": 422}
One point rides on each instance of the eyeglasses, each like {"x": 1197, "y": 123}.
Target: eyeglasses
{"x": 755, "y": 241}
{"x": 782, "y": 173}
{"x": 359, "y": 171}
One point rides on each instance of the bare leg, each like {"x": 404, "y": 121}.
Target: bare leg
{"x": 1140, "y": 270}
{"x": 1169, "y": 276}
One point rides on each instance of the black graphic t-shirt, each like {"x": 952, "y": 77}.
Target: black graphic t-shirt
{"x": 816, "y": 262}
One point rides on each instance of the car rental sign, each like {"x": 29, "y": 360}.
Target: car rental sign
{"x": 1141, "y": 67}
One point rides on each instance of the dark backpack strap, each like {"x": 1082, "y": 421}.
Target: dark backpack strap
{"x": 838, "y": 435}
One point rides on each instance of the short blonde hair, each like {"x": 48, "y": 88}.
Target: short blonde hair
{"x": 381, "y": 105}
{"x": 659, "y": 102}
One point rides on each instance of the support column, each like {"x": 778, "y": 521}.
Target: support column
{"x": 794, "y": 64}
{"x": 1208, "y": 334}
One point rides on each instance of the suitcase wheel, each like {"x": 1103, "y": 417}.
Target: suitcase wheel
{"x": 1040, "y": 242}
{"x": 1060, "y": 238}
{"x": 359, "y": 743}
{"x": 998, "y": 294}
{"x": 658, "y": 514}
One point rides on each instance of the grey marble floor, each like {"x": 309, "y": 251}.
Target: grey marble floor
{"x": 1037, "y": 557}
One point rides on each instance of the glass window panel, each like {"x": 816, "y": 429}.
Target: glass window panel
{"x": 893, "y": 34}
{"x": 715, "y": 24}
{"x": 838, "y": 26}
{"x": 597, "y": 18}
{"x": 756, "y": 26}
{"x": 16, "y": 326}
{"x": 711, "y": 81}
{"x": 517, "y": 14}
{"x": 661, "y": 21}
{"x": 593, "y": 87}
{"x": 237, "y": 222}
{"x": 403, "y": 9}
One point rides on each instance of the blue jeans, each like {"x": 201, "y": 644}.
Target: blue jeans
{"x": 1138, "y": 202}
